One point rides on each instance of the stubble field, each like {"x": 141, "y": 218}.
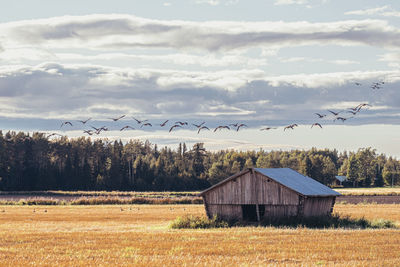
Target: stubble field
{"x": 138, "y": 235}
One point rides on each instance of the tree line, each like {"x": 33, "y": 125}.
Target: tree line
{"x": 34, "y": 162}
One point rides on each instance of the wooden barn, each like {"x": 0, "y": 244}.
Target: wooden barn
{"x": 339, "y": 180}
{"x": 257, "y": 193}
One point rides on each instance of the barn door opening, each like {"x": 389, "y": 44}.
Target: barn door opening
{"x": 249, "y": 213}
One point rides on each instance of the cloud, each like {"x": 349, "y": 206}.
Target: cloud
{"x": 57, "y": 91}
{"x": 204, "y": 60}
{"x": 290, "y": 2}
{"x": 127, "y": 32}
{"x": 312, "y": 60}
{"x": 393, "y": 59}
{"x": 209, "y": 2}
{"x": 385, "y": 11}
{"x": 217, "y": 2}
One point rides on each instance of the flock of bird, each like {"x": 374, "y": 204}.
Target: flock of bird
{"x": 145, "y": 123}
{"x": 337, "y": 116}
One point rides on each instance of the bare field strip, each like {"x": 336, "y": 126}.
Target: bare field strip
{"x": 378, "y": 199}
{"x": 139, "y": 235}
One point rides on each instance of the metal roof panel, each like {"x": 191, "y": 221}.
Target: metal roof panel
{"x": 297, "y": 182}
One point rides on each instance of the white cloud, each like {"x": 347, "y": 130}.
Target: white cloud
{"x": 55, "y": 91}
{"x": 290, "y": 2}
{"x": 204, "y": 60}
{"x": 390, "y": 57}
{"x": 344, "y": 62}
{"x": 209, "y": 2}
{"x": 313, "y": 60}
{"x": 125, "y": 31}
{"x": 21, "y": 55}
{"x": 385, "y": 11}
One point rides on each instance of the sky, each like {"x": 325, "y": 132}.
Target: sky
{"x": 263, "y": 63}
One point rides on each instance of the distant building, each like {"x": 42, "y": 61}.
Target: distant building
{"x": 256, "y": 193}
{"x": 339, "y": 180}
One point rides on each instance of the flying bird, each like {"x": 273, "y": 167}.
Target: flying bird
{"x": 352, "y": 112}
{"x": 222, "y": 127}
{"x": 334, "y": 113}
{"x": 98, "y": 130}
{"x": 139, "y": 121}
{"x": 116, "y": 119}
{"x": 174, "y": 126}
{"x": 377, "y": 85}
{"x": 85, "y": 121}
{"x": 357, "y": 83}
{"x": 89, "y": 132}
{"x": 316, "y": 124}
{"x": 291, "y": 126}
{"x": 146, "y": 124}
{"x": 267, "y": 128}
{"x": 360, "y": 106}
{"x": 127, "y": 127}
{"x": 200, "y": 125}
{"x": 342, "y": 119}
{"x": 201, "y": 128}
{"x": 320, "y": 115}
{"x": 65, "y": 123}
{"x": 239, "y": 126}
{"x": 164, "y": 123}
{"x": 53, "y": 134}
{"x": 181, "y": 123}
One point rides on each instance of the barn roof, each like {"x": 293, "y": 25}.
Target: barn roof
{"x": 297, "y": 182}
{"x": 289, "y": 178}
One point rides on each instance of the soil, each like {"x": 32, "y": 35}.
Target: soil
{"x": 379, "y": 199}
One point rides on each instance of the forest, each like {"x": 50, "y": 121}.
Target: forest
{"x": 35, "y": 162}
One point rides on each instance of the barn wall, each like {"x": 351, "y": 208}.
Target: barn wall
{"x": 249, "y": 189}
{"x": 277, "y": 211}
{"x": 317, "y": 206}
{"x": 227, "y": 212}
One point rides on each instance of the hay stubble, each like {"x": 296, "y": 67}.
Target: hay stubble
{"x": 139, "y": 235}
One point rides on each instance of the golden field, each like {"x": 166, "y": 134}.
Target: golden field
{"x": 382, "y": 191}
{"x": 139, "y": 235}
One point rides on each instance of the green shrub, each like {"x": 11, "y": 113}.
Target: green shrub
{"x": 333, "y": 221}
{"x": 197, "y": 222}
{"x": 39, "y": 201}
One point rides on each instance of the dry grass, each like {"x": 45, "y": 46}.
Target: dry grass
{"x": 139, "y": 235}
{"x": 103, "y": 193}
{"x": 382, "y": 191}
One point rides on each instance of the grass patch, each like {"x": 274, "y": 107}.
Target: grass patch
{"x": 197, "y": 222}
{"x": 33, "y": 202}
{"x": 154, "y": 194}
{"x": 105, "y": 201}
{"x": 333, "y": 221}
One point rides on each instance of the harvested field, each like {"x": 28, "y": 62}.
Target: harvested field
{"x": 139, "y": 235}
